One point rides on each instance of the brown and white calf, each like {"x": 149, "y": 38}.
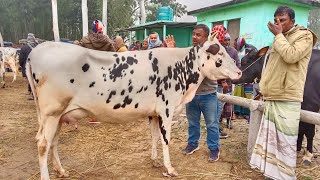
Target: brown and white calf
{"x": 70, "y": 82}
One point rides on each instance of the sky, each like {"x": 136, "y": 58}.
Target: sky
{"x": 196, "y": 4}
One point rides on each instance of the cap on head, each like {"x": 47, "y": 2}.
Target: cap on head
{"x": 220, "y": 32}
{"x": 97, "y": 26}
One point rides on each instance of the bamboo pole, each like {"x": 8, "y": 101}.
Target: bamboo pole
{"x": 55, "y": 20}
{"x": 1, "y": 40}
{"x": 306, "y": 116}
{"x": 84, "y": 10}
{"x": 256, "y": 108}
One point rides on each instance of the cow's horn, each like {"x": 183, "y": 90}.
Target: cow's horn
{"x": 213, "y": 35}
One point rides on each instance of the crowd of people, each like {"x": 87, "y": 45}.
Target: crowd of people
{"x": 275, "y": 150}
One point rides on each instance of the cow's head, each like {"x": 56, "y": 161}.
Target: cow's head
{"x": 251, "y": 66}
{"x": 215, "y": 63}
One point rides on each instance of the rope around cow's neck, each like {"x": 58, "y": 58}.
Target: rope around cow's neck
{"x": 251, "y": 64}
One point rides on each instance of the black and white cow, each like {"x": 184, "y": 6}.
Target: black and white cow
{"x": 70, "y": 82}
{"x": 252, "y": 64}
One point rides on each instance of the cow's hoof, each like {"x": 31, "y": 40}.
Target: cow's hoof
{"x": 307, "y": 158}
{"x": 174, "y": 173}
{"x": 156, "y": 163}
{"x": 306, "y": 163}
{"x": 62, "y": 174}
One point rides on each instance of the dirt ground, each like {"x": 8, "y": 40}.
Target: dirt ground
{"x": 117, "y": 151}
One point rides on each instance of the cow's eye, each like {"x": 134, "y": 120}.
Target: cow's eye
{"x": 220, "y": 53}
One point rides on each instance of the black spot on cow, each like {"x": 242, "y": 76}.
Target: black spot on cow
{"x": 105, "y": 79}
{"x": 152, "y": 78}
{"x": 218, "y": 63}
{"x": 34, "y": 77}
{"x": 169, "y": 85}
{"x": 117, "y": 71}
{"x": 85, "y": 67}
{"x": 163, "y": 98}
{"x": 123, "y": 58}
{"x": 136, "y": 105}
{"x": 155, "y": 67}
{"x": 132, "y": 71}
{"x": 140, "y": 90}
{"x": 170, "y": 72}
{"x": 162, "y": 130}
{"x": 131, "y": 60}
{"x": 177, "y": 87}
{"x": 208, "y": 57}
{"x": 130, "y": 88}
{"x": 122, "y": 92}
{"x": 71, "y": 80}
{"x": 101, "y": 94}
{"x": 167, "y": 112}
{"x": 92, "y": 84}
{"x": 28, "y": 59}
{"x": 103, "y": 68}
{"x": 126, "y": 101}
{"x": 134, "y": 55}
{"x": 202, "y": 65}
{"x": 198, "y": 57}
{"x": 150, "y": 56}
{"x": 118, "y": 60}
{"x": 115, "y": 55}
{"x": 117, "y": 106}
{"x": 167, "y": 102}
{"x": 145, "y": 88}
{"x": 129, "y": 82}
{"x": 110, "y": 96}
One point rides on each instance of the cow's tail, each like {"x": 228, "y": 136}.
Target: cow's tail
{"x": 34, "y": 92}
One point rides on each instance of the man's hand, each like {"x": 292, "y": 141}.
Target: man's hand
{"x": 275, "y": 28}
{"x": 171, "y": 43}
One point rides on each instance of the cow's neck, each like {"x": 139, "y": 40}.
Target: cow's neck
{"x": 187, "y": 72}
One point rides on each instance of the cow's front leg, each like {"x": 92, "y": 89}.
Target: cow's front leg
{"x": 165, "y": 129}
{"x": 155, "y": 133}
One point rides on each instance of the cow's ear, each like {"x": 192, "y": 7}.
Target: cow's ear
{"x": 213, "y": 49}
{"x": 263, "y": 51}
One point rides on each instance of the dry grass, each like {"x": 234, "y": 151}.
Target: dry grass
{"x": 117, "y": 151}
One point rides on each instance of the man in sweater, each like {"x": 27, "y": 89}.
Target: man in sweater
{"x": 282, "y": 86}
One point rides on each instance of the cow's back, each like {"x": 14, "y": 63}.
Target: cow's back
{"x": 311, "y": 97}
{"x": 103, "y": 82}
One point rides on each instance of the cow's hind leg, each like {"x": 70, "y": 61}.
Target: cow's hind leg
{"x": 46, "y": 136}
{"x": 165, "y": 129}
{"x": 155, "y": 133}
{"x": 13, "y": 67}
{"x": 55, "y": 156}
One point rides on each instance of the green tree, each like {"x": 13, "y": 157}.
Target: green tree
{"x": 18, "y": 18}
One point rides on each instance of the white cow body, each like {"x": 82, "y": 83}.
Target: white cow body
{"x": 8, "y": 57}
{"x": 70, "y": 82}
